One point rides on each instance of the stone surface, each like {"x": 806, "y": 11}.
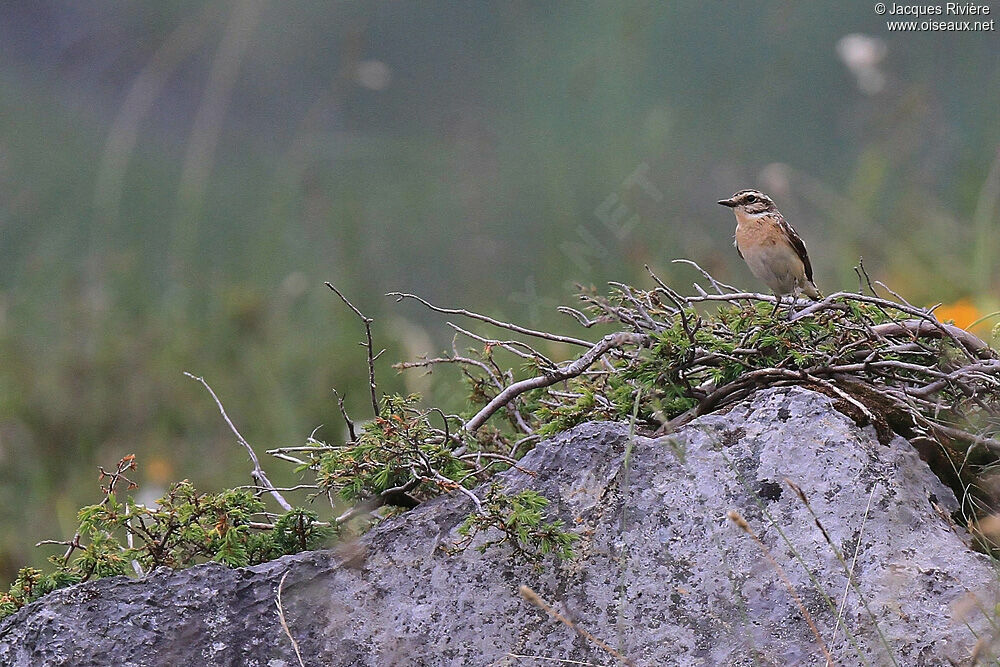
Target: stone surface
{"x": 660, "y": 573}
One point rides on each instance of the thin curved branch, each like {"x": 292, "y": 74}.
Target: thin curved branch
{"x": 489, "y": 320}
{"x": 922, "y": 328}
{"x": 368, "y": 347}
{"x": 511, "y": 346}
{"x": 257, "y": 473}
{"x": 717, "y": 284}
{"x": 596, "y": 351}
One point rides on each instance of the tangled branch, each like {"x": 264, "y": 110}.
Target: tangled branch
{"x": 883, "y": 360}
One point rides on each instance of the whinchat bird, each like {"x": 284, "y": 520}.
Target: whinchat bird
{"x": 770, "y": 247}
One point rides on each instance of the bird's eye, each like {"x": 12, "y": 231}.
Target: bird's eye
{"x": 751, "y": 199}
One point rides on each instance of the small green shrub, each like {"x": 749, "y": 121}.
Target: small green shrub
{"x": 520, "y": 522}
{"x": 120, "y": 537}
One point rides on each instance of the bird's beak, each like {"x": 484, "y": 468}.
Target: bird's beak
{"x": 727, "y": 202}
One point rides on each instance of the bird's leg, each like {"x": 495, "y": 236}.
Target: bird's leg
{"x": 777, "y": 304}
{"x": 792, "y": 298}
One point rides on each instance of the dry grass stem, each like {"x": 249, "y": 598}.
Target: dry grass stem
{"x": 736, "y": 518}
{"x": 533, "y": 597}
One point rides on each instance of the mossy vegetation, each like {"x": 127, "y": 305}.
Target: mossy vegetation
{"x": 119, "y": 536}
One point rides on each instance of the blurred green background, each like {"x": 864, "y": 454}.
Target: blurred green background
{"x": 178, "y": 179}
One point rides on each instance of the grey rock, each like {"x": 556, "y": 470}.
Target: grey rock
{"x": 660, "y": 573}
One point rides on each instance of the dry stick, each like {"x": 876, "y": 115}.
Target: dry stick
{"x": 984, "y": 370}
{"x": 398, "y": 495}
{"x": 740, "y": 296}
{"x": 367, "y": 506}
{"x": 284, "y": 623}
{"x": 343, "y": 411}
{"x": 643, "y": 313}
{"x": 923, "y": 328}
{"x": 509, "y": 345}
{"x": 858, "y": 271}
{"x": 735, "y": 517}
{"x": 368, "y": 346}
{"x": 257, "y": 473}
{"x": 597, "y": 350}
{"x": 285, "y": 457}
{"x": 991, "y": 444}
{"x": 297, "y": 487}
{"x": 425, "y": 362}
{"x": 861, "y": 271}
{"x": 584, "y": 321}
{"x": 532, "y": 597}
{"x": 449, "y": 484}
{"x": 620, "y": 314}
{"x": 717, "y": 284}
{"x": 489, "y": 320}
{"x": 898, "y": 296}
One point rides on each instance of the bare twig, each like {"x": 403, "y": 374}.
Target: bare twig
{"x": 582, "y": 319}
{"x": 863, "y": 273}
{"x": 347, "y": 420}
{"x": 433, "y": 361}
{"x": 526, "y": 351}
{"x": 489, "y": 320}
{"x": 264, "y": 489}
{"x": 717, "y": 284}
{"x": 303, "y": 448}
{"x": 257, "y": 473}
{"x": 396, "y": 495}
{"x": 369, "y": 347}
{"x": 922, "y": 328}
{"x": 286, "y": 457}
